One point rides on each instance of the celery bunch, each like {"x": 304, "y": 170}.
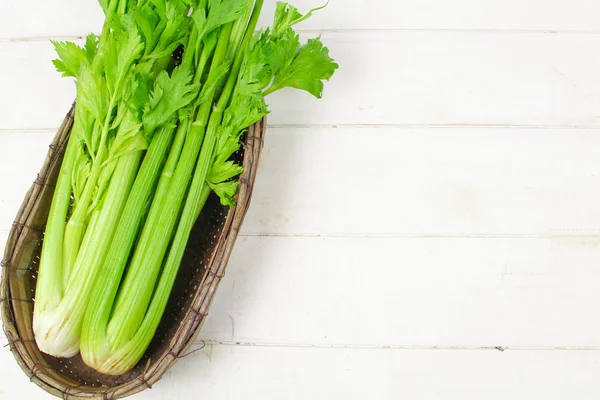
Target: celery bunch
{"x": 152, "y": 138}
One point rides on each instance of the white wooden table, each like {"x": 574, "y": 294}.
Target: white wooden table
{"x": 429, "y": 230}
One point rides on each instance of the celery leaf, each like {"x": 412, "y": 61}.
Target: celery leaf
{"x": 306, "y": 70}
{"x": 221, "y": 12}
{"x": 170, "y": 94}
{"x": 71, "y": 56}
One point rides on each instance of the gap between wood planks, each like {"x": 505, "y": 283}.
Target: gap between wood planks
{"x": 347, "y": 346}
{"x": 399, "y": 347}
{"x": 365, "y": 30}
{"x": 334, "y": 235}
{"x": 424, "y": 235}
{"x": 340, "y": 235}
{"x": 8, "y": 131}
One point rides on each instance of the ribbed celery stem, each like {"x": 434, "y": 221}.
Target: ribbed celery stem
{"x": 94, "y": 347}
{"x": 93, "y": 333}
{"x": 128, "y": 355}
{"x": 49, "y": 288}
{"x": 57, "y": 331}
{"x": 136, "y": 291}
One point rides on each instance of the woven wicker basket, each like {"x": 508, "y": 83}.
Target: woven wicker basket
{"x": 203, "y": 266}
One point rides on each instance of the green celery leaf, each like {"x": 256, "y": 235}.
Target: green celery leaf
{"x": 129, "y": 49}
{"x": 244, "y": 111}
{"x": 83, "y": 127}
{"x": 182, "y": 6}
{"x": 146, "y": 68}
{"x": 307, "y": 70}
{"x": 130, "y": 144}
{"x": 221, "y": 12}
{"x": 226, "y": 191}
{"x": 70, "y": 59}
{"x": 173, "y": 33}
{"x": 123, "y": 47}
{"x": 148, "y": 22}
{"x": 281, "y": 51}
{"x": 92, "y": 93}
{"x": 228, "y": 142}
{"x": 222, "y": 172}
{"x": 160, "y": 7}
{"x": 210, "y": 86}
{"x": 91, "y": 47}
{"x": 199, "y": 19}
{"x": 255, "y": 74}
{"x": 128, "y": 139}
{"x": 287, "y": 15}
{"x": 109, "y": 62}
{"x": 141, "y": 91}
{"x": 170, "y": 94}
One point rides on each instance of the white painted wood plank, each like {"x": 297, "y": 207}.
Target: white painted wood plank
{"x": 3, "y": 239}
{"x": 385, "y": 78}
{"x": 454, "y": 78}
{"x": 407, "y": 182}
{"x": 39, "y": 18}
{"x": 428, "y": 181}
{"x": 34, "y": 94}
{"x": 223, "y": 373}
{"x": 424, "y": 292}
{"x": 21, "y": 158}
{"x": 385, "y": 292}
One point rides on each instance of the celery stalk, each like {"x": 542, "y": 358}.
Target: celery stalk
{"x": 136, "y": 290}
{"x": 57, "y": 330}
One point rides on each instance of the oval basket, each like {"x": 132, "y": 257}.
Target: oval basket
{"x": 202, "y": 269}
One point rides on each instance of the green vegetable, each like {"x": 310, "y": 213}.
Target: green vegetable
{"x": 151, "y": 140}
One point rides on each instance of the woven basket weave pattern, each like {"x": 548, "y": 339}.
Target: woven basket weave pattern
{"x": 202, "y": 268}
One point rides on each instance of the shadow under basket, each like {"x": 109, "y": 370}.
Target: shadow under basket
{"x": 202, "y": 268}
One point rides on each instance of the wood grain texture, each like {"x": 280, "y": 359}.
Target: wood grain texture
{"x": 237, "y": 372}
{"x": 430, "y": 292}
{"x": 39, "y": 18}
{"x": 423, "y": 292}
{"x": 389, "y": 78}
{"x": 398, "y": 182}
{"x": 439, "y": 202}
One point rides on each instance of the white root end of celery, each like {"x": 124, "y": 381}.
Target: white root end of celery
{"x": 53, "y": 340}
